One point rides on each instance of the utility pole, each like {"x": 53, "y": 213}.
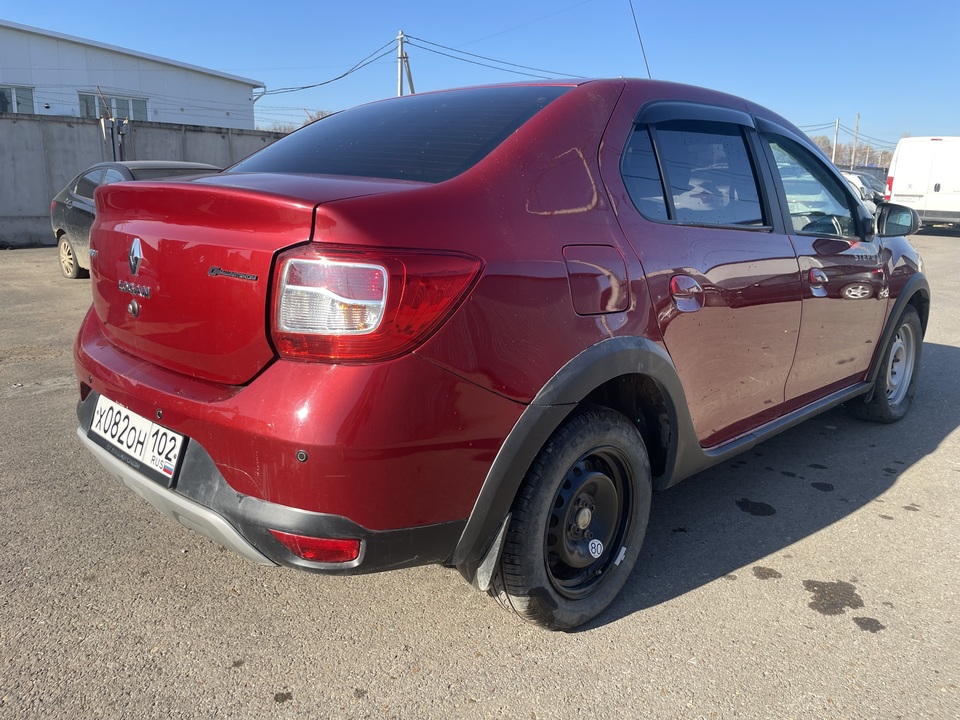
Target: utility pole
{"x": 836, "y": 135}
{"x": 853, "y": 154}
{"x": 403, "y": 63}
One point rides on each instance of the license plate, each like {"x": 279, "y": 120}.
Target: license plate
{"x": 142, "y": 444}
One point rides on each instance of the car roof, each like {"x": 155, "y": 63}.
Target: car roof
{"x": 152, "y": 164}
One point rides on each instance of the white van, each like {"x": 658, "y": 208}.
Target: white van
{"x": 925, "y": 175}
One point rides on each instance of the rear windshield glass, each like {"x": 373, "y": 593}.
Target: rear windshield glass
{"x": 430, "y": 138}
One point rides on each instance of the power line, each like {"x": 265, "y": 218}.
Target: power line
{"x": 849, "y": 131}
{"x": 474, "y": 62}
{"x": 369, "y": 59}
{"x": 483, "y": 57}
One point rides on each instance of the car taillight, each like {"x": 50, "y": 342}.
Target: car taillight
{"x": 889, "y": 192}
{"x": 329, "y": 550}
{"x": 340, "y": 305}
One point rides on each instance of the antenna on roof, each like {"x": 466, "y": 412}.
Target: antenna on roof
{"x": 637, "y": 26}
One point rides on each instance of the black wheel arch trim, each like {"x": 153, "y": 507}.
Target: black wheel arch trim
{"x": 916, "y": 291}
{"x": 584, "y": 373}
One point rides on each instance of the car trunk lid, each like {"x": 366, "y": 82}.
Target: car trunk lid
{"x": 181, "y": 270}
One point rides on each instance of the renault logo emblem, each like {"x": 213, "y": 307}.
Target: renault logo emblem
{"x": 135, "y": 256}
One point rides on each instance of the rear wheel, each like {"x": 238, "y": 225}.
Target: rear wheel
{"x": 68, "y": 260}
{"x": 897, "y": 380}
{"x": 577, "y": 523}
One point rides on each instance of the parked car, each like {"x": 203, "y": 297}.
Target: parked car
{"x": 480, "y": 327}
{"x": 872, "y": 183}
{"x": 869, "y": 187}
{"x": 72, "y": 209}
{"x": 863, "y": 192}
{"x": 925, "y": 175}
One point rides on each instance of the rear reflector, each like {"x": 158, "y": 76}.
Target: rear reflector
{"x": 326, "y": 550}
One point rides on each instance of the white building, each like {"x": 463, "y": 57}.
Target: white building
{"x": 48, "y": 73}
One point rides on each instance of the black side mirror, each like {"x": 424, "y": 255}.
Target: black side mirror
{"x": 895, "y": 220}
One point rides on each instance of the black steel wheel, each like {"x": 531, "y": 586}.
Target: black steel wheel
{"x": 896, "y": 382}
{"x": 577, "y": 523}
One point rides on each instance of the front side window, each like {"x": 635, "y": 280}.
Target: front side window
{"x": 816, "y": 199}
{"x": 705, "y": 169}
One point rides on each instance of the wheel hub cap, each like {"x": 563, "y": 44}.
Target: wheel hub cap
{"x": 583, "y": 518}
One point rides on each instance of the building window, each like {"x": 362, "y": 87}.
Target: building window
{"x": 16, "y": 100}
{"x": 116, "y": 106}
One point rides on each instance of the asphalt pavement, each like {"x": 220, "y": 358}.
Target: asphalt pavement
{"x": 815, "y": 576}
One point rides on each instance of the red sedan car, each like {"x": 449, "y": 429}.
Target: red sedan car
{"x": 479, "y": 327}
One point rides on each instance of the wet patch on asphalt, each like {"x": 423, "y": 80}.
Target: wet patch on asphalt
{"x": 759, "y": 509}
{"x": 869, "y": 624}
{"x": 833, "y": 598}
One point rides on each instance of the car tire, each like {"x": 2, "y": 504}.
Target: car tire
{"x": 577, "y": 523}
{"x": 896, "y": 382}
{"x": 68, "y": 260}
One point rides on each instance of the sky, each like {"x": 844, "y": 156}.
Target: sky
{"x": 894, "y": 63}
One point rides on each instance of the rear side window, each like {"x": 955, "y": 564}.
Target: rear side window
{"x": 641, "y": 175}
{"x": 705, "y": 169}
{"x": 430, "y": 138}
{"x": 87, "y": 183}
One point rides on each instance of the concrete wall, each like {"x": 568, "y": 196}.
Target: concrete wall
{"x": 39, "y": 155}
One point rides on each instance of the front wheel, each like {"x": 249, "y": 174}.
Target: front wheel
{"x": 897, "y": 380}
{"x": 577, "y": 522}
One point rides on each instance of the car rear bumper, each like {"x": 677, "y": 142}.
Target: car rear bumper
{"x": 202, "y": 501}
{"x": 394, "y": 445}
{"x": 188, "y": 513}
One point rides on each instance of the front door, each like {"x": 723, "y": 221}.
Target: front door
{"x": 842, "y": 273}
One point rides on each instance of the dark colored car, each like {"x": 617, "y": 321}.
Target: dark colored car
{"x": 72, "y": 209}
{"x": 480, "y": 327}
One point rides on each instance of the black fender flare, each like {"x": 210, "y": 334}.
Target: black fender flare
{"x": 588, "y": 370}
{"x": 917, "y": 285}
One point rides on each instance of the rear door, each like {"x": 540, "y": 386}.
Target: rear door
{"x": 722, "y": 274}
{"x": 81, "y": 211}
